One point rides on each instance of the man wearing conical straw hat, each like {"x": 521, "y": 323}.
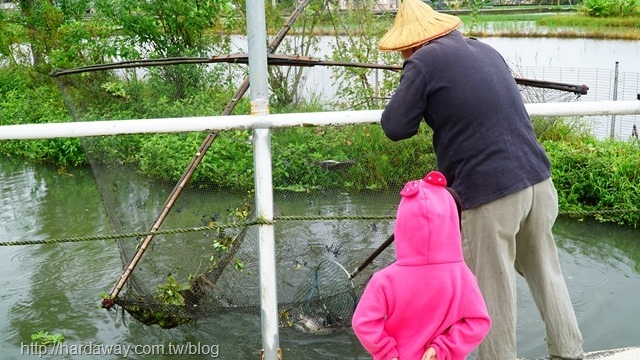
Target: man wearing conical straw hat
{"x": 486, "y": 147}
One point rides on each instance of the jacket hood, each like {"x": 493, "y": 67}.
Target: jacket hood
{"x": 427, "y": 228}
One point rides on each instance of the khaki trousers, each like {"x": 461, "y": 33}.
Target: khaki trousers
{"x": 514, "y": 233}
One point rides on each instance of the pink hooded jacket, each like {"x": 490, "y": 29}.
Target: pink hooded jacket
{"x": 428, "y": 297}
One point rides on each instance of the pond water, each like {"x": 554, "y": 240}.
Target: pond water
{"x": 569, "y": 53}
{"x": 574, "y": 61}
{"x": 55, "y": 288}
{"x": 538, "y": 51}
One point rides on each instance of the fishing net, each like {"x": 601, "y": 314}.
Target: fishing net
{"x": 181, "y": 205}
{"x": 540, "y": 91}
{"x": 546, "y": 86}
{"x": 203, "y": 259}
{"x": 213, "y": 267}
{"x": 324, "y": 301}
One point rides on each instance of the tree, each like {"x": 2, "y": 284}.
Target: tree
{"x": 38, "y": 24}
{"x": 167, "y": 29}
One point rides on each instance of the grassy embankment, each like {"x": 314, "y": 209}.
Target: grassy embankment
{"x": 565, "y": 23}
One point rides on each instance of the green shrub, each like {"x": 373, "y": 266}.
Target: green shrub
{"x": 594, "y": 176}
{"x": 24, "y": 103}
{"x": 609, "y": 8}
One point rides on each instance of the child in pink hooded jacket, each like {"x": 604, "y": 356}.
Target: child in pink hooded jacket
{"x": 427, "y": 304}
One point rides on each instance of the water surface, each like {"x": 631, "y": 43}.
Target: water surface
{"x": 56, "y": 288}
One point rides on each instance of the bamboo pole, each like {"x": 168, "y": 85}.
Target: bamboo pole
{"x": 109, "y": 302}
{"x": 292, "y": 60}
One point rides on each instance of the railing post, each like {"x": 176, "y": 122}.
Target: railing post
{"x": 615, "y": 98}
{"x": 263, "y": 177}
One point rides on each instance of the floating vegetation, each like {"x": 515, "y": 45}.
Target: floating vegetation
{"x": 148, "y": 311}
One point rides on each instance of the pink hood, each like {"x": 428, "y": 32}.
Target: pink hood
{"x": 426, "y": 223}
{"x": 428, "y": 297}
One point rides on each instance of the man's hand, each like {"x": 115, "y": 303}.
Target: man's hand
{"x": 430, "y": 354}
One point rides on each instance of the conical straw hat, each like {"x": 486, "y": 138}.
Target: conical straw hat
{"x": 416, "y": 23}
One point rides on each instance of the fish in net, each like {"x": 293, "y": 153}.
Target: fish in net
{"x": 315, "y": 292}
{"x": 324, "y": 302}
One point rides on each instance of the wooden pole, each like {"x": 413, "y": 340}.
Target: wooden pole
{"x": 195, "y": 161}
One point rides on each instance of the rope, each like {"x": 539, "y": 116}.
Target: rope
{"x": 358, "y": 217}
{"x": 127, "y": 235}
{"x": 260, "y": 221}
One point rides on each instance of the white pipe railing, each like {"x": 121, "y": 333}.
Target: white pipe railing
{"x": 258, "y": 78}
{"x": 210, "y": 123}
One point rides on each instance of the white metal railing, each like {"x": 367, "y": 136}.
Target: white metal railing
{"x": 271, "y": 121}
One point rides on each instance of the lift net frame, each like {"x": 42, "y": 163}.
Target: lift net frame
{"x": 334, "y": 204}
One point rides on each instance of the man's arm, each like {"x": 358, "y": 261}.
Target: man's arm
{"x": 402, "y": 116}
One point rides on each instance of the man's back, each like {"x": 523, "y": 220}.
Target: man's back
{"x": 481, "y": 129}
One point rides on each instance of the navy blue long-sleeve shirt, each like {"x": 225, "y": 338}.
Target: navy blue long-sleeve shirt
{"x": 482, "y": 134}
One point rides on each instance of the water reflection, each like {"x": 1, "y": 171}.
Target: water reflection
{"x": 621, "y": 247}
{"x": 601, "y": 264}
{"x": 56, "y": 287}
{"x": 569, "y": 53}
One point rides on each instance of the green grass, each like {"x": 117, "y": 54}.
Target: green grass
{"x": 564, "y": 25}
{"x": 578, "y": 20}
{"x": 555, "y": 25}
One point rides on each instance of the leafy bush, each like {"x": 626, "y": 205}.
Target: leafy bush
{"x": 609, "y": 8}
{"x": 228, "y": 163}
{"x": 592, "y": 176}
{"x": 25, "y": 103}
{"x": 560, "y": 128}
